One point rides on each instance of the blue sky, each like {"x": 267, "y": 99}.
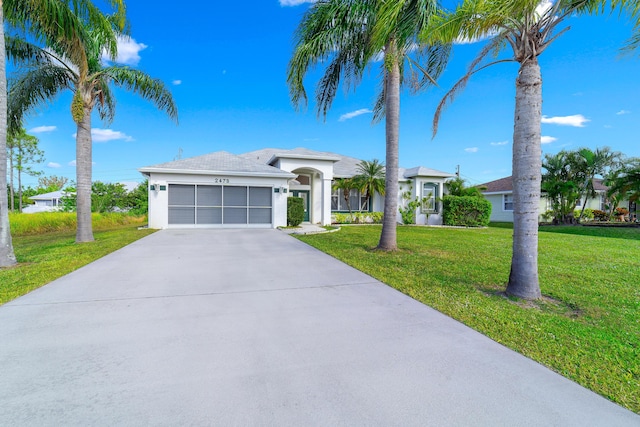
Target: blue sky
{"x": 225, "y": 63}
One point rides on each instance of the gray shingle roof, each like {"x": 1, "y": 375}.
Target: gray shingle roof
{"x": 422, "y": 171}
{"x": 220, "y": 161}
{"x": 505, "y": 184}
{"x": 344, "y": 167}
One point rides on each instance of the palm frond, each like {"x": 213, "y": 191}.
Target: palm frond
{"x": 33, "y": 87}
{"x": 148, "y": 88}
{"x": 21, "y": 51}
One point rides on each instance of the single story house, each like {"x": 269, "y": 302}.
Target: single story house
{"x": 250, "y": 190}
{"x": 500, "y": 194}
{"x": 47, "y": 202}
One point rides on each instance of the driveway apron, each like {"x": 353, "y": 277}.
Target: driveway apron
{"x": 253, "y": 327}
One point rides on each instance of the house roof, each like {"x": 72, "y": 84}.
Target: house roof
{"x": 344, "y": 166}
{"x": 49, "y": 196}
{"x": 221, "y": 162}
{"x": 422, "y": 171}
{"x": 260, "y": 162}
{"x": 498, "y": 186}
{"x": 505, "y": 185}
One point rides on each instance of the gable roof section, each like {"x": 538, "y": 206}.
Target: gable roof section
{"x": 220, "y": 162}
{"x": 422, "y": 171}
{"x": 49, "y": 196}
{"x": 505, "y": 185}
{"x": 502, "y": 185}
{"x": 344, "y": 166}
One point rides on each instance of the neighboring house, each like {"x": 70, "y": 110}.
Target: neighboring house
{"x": 250, "y": 190}
{"x": 47, "y": 202}
{"x": 500, "y": 194}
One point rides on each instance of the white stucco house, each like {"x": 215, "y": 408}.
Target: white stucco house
{"x": 48, "y": 202}
{"x": 500, "y": 194}
{"x": 250, "y": 190}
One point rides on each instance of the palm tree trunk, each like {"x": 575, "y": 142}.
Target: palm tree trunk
{"x": 84, "y": 231}
{"x": 388, "y": 238}
{"x": 12, "y": 195}
{"x": 7, "y": 257}
{"x": 523, "y": 279}
{"x": 20, "y": 182}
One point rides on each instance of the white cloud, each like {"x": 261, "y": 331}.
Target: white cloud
{"x": 105, "y": 135}
{"x": 295, "y": 2}
{"x": 54, "y": 165}
{"x": 547, "y": 139}
{"x": 621, "y": 112}
{"x": 471, "y": 150}
{"x": 42, "y": 129}
{"x": 608, "y": 126}
{"x": 128, "y": 51}
{"x": 176, "y": 82}
{"x": 499, "y": 143}
{"x": 353, "y": 114}
{"x": 577, "y": 120}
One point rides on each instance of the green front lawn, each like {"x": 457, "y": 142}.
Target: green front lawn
{"x": 588, "y": 326}
{"x": 45, "y": 257}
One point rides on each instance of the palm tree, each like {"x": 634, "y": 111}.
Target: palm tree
{"x": 594, "y": 163}
{"x": 89, "y": 79}
{"x": 528, "y": 27}
{"x": 42, "y": 19}
{"x": 370, "y": 179}
{"x": 344, "y": 35}
{"x": 345, "y": 185}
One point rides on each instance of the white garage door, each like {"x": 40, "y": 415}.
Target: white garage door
{"x": 219, "y": 205}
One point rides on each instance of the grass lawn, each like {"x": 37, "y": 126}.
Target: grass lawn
{"x": 588, "y": 326}
{"x": 45, "y": 257}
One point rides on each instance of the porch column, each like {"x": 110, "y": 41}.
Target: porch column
{"x": 326, "y": 201}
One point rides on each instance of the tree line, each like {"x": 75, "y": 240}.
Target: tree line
{"x": 59, "y": 45}
{"x": 569, "y": 178}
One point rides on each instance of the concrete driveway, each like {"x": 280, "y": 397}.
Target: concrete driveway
{"x": 252, "y": 327}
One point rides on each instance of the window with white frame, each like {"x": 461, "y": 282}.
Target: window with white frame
{"x": 357, "y": 201}
{"x": 429, "y": 196}
{"x": 507, "y": 202}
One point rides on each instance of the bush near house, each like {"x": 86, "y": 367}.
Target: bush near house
{"x": 467, "y": 211}
{"x": 358, "y": 218}
{"x": 599, "y": 215}
{"x": 295, "y": 211}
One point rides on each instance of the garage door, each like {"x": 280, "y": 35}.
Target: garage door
{"x": 219, "y": 205}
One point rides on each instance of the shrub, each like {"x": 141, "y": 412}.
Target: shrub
{"x": 466, "y": 211}
{"x": 295, "y": 211}
{"x": 547, "y": 216}
{"x": 599, "y": 215}
{"x": 622, "y": 211}
{"x": 358, "y": 218}
{"x": 586, "y": 216}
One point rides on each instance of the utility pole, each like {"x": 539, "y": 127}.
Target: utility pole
{"x": 458, "y": 171}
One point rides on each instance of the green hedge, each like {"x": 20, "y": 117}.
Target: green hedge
{"x": 466, "y": 211}
{"x": 358, "y": 218}
{"x": 295, "y": 211}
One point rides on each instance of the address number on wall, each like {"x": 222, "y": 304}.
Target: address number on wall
{"x": 221, "y": 180}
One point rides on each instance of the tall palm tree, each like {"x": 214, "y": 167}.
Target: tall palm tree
{"x": 528, "y": 28}
{"x": 343, "y": 34}
{"x": 42, "y": 19}
{"x": 89, "y": 79}
{"x": 370, "y": 179}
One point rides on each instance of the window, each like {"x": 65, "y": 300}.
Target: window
{"x": 507, "y": 204}
{"x": 357, "y": 201}
{"x": 429, "y": 196}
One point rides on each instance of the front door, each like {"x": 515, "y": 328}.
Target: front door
{"x": 304, "y": 194}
